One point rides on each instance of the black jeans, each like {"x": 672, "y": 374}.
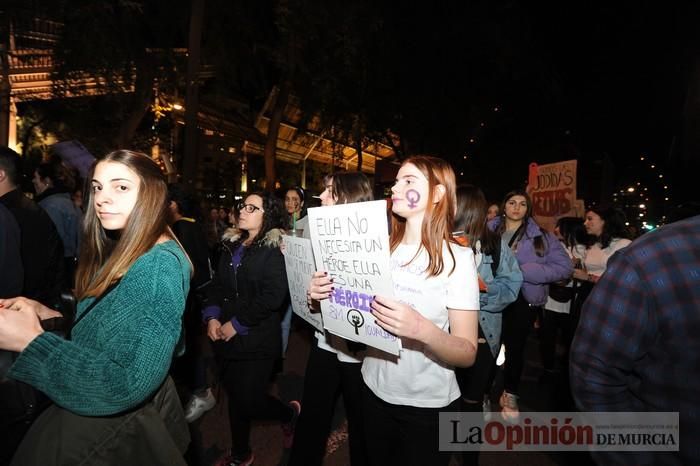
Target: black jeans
{"x": 246, "y": 384}
{"x": 403, "y": 435}
{"x": 327, "y": 378}
{"x": 518, "y": 318}
{"x": 475, "y": 381}
{"x": 551, "y": 324}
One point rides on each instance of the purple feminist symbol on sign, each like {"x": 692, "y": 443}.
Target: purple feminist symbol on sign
{"x": 413, "y": 197}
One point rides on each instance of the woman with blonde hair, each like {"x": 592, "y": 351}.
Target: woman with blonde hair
{"x": 114, "y": 403}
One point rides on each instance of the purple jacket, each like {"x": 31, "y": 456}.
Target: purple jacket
{"x": 538, "y": 271}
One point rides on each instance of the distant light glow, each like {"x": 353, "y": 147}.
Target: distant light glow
{"x": 630, "y": 189}
{"x": 661, "y": 176}
{"x": 642, "y": 206}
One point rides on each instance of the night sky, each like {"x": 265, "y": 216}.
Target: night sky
{"x": 489, "y": 85}
{"x": 591, "y": 81}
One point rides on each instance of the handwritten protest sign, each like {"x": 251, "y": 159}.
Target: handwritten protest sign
{"x": 552, "y": 188}
{"x": 299, "y": 262}
{"x": 351, "y": 243}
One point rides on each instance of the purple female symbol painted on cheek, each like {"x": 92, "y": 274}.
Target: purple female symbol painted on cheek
{"x": 413, "y": 198}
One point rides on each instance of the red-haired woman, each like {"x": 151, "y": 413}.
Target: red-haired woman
{"x": 433, "y": 311}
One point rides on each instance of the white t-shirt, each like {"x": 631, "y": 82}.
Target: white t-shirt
{"x": 417, "y": 378}
{"x": 596, "y": 258}
{"x": 335, "y": 344}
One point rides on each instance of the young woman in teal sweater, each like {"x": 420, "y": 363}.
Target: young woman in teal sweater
{"x": 113, "y": 401}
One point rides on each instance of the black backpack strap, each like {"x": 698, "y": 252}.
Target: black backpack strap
{"x": 496, "y": 257}
{"x": 516, "y": 236}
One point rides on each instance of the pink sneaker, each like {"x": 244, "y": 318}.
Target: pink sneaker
{"x": 288, "y": 427}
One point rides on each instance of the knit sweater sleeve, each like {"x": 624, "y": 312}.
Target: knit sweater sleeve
{"x": 123, "y": 351}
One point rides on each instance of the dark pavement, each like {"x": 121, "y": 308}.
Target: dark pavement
{"x": 210, "y": 434}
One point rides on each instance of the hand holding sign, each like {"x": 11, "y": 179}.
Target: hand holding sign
{"x": 321, "y": 286}
{"x": 351, "y": 243}
{"x": 398, "y": 318}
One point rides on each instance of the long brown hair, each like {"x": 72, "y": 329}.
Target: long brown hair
{"x": 471, "y": 218}
{"x": 439, "y": 217}
{"x": 351, "y": 187}
{"x": 103, "y": 259}
{"x": 537, "y": 241}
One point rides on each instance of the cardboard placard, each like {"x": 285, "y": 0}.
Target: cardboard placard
{"x": 351, "y": 243}
{"x": 299, "y": 262}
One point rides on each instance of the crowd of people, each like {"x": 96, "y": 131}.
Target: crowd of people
{"x": 110, "y": 297}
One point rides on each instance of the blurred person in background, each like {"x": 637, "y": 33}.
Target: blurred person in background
{"x": 492, "y": 212}
{"x": 607, "y": 234}
{"x": 53, "y": 185}
{"x": 182, "y": 205}
{"x": 500, "y": 281}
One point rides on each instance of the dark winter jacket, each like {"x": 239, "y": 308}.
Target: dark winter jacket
{"x": 65, "y": 215}
{"x": 253, "y": 296}
{"x": 41, "y": 249}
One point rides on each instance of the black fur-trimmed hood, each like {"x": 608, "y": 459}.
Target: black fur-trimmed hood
{"x": 272, "y": 238}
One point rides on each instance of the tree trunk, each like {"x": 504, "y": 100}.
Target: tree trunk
{"x": 138, "y": 107}
{"x": 189, "y": 162}
{"x": 357, "y": 139}
{"x": 273, "y": 128}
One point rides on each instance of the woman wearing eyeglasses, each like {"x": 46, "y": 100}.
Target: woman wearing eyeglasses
{"x": 242, "y": 312}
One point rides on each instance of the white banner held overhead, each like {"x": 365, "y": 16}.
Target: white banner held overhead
{"x": 299, "y": 261}
{"x": 351, "y": 243}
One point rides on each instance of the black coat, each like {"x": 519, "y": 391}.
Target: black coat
{"x": 256, "y": 293}
{"x": 11, "y": 268}
{"x": 41, "y": 249}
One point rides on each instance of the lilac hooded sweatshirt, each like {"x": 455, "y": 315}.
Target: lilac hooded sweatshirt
{"x": 538, "y": 272}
